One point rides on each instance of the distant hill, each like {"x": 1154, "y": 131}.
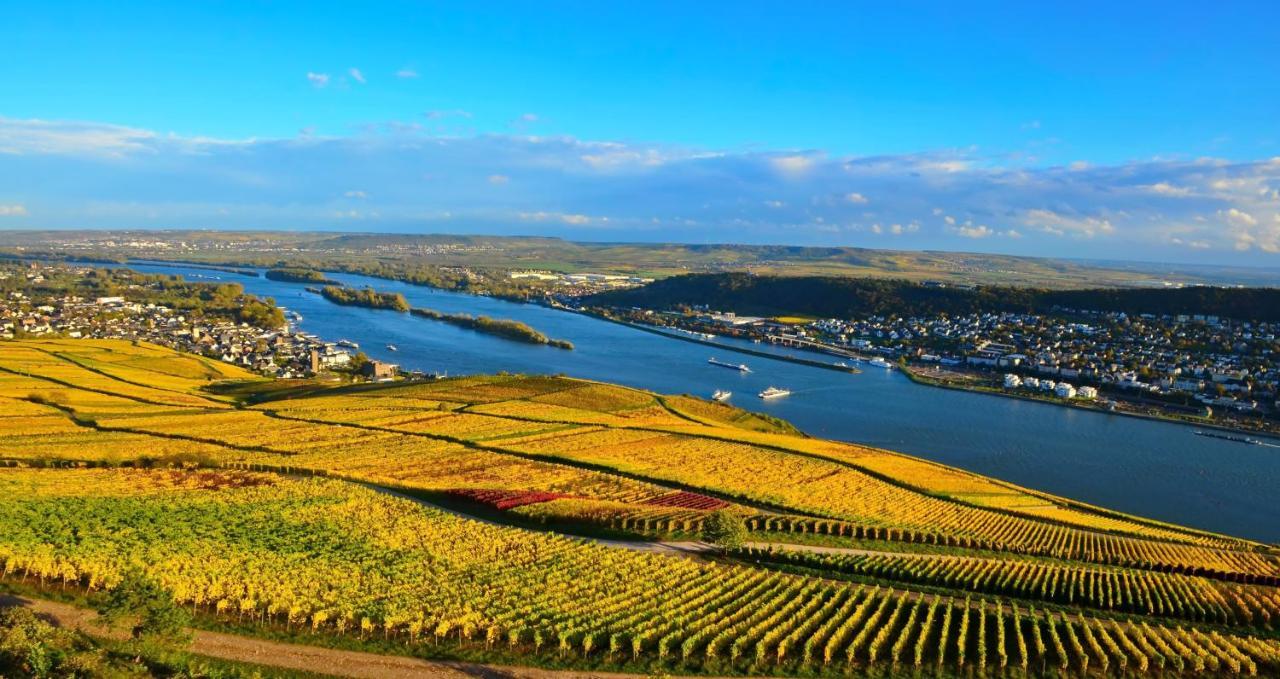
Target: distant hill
{"x": 402, "y": 252}
{"x": 844, "y": 297}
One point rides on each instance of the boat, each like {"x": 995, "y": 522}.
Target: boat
{"x": 841, "y": 364}
{"x": 880, "y": 363}
{"x": 774, "y": 392}
{"x": 348, "y": 343}
{"x": 1229, "y": 437}
{"x": 721, "y": 395}
{"x": 392, "y": 347}
{"x": 741, "y": 367}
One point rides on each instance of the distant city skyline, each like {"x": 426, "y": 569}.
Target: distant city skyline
{"x": 1142, "y": 131}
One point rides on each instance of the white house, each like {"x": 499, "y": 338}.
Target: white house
{"x": 1012, "y": 381}
{"x": 1064, "y": 390}
{"x": 1087, "y": 393}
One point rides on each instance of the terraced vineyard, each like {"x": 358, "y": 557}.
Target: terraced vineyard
{"x": 121, "y": 456}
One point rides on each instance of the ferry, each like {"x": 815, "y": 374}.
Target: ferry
{"x": 880, "y": 363}
{"x": 348, "y": 343}
{"x": 1229, "y": 437}
{"x": 774, "y": 392}
{"x": 392, "y": 347}
{"x": 296, "y": 316}
{"x": 721, "y": 395}
{"x": 740, "y": 367}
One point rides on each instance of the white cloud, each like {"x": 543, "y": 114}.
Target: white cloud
{"x": 792, "y": 164}
{"x": 498, "y": 179}
{"x": 571, "y": 219}
{"x": 406, "y": 73}
{"x": 356, "y": 75}
{"x": 1240, "y": 217}
{"x": 1062, "y": 224}
{"x": 360, "y": 195}
{"x": 318, "y": 80}
{"x": 980, "y": 231}
{"x": 15, "y": 210}
{"x": 1223, "y": 211}
{"x": 37, "y": 137}
{"x": 449, "y": 113}
{"x": 1167, "y": 189}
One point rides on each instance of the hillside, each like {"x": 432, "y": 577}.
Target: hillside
{"x": 840, "y": 297}
{"x": 237, "y": 495}
{"x": 420, "y": 257}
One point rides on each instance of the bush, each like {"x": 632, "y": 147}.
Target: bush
{"x": 724, "y": 528}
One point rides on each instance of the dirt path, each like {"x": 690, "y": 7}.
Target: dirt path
{"x": 319, "y": 660}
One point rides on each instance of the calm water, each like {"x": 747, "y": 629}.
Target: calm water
{"x": 1154, "y": 469}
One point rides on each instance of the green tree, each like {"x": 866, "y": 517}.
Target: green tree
{"x": 724, "y": 528}
{"x": 150, "y": 608}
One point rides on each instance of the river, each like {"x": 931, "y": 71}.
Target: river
{"x": 1154, "y": 469}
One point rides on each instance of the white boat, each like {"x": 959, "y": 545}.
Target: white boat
{"x": 774, "y": 392}
{"x": 740, "y": 367}
{"x": 721, "y": 395}
{"x": 348, "y": 343}
{"x": 392, "y": 347}
{"x": 880, "y": 363}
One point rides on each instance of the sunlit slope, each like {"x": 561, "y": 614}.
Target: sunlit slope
{"x": 521, "y": 433}
{"x": 976, "y": 566}
{"x": 335, "y": 557}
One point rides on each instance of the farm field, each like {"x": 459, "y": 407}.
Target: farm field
{"x": 297, "y": 505}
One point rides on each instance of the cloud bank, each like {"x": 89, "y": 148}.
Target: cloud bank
{"x": 400, "y": 177}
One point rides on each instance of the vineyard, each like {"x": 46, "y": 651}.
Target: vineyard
{"x": 305, "y": 507}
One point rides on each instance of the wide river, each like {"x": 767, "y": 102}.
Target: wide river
{"x": 1154, "y": 469}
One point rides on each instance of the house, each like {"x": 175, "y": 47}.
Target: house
{"x": 377, "y": 370}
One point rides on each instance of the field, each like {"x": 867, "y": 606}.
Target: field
{"x": 304, "y": 506}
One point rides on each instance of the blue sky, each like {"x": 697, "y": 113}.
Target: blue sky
{"x": 1145, "y": 130}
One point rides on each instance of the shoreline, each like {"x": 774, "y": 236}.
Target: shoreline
{"x": 923, "y": 380}
{"x": 710, "y": 343}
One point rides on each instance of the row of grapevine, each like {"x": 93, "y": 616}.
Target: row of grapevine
{"x": 1170, "y": 595}
{"x": 346, "y": 560}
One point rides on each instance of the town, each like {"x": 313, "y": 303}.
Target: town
{"x": 29, "y": 310}
{"x": 1198, "y": 365}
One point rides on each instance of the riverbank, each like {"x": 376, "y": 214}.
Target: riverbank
{"x": 718, "y": 345}
{"x": 918, "y": 376}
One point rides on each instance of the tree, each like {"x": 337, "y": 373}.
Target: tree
{"x": 151, "y": 609}
{"x": 724, "y": 528}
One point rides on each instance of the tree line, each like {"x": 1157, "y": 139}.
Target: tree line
{"x": 843, "y": 297}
